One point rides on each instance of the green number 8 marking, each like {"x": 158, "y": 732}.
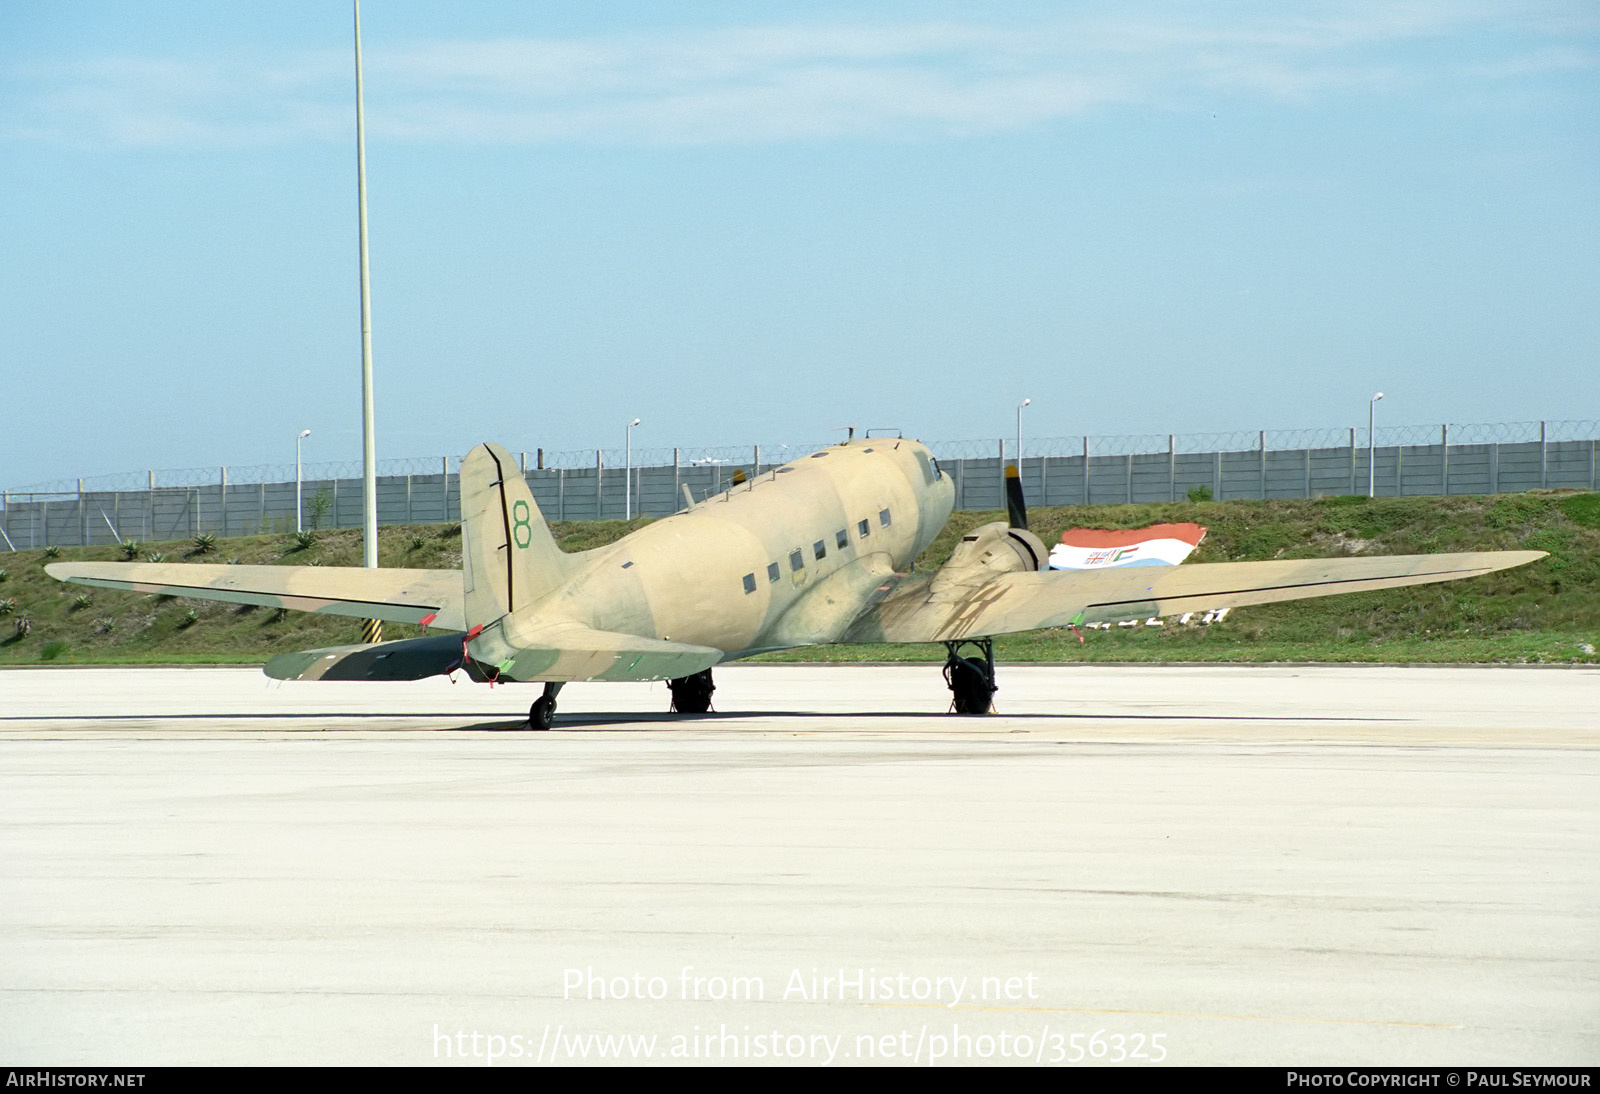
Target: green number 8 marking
{"x": 521, "y": 530}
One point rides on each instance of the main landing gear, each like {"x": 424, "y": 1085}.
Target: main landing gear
{"x": 692, "y": 694}
{"x": 971, "y": 679}
{"x": 543, "y": 711}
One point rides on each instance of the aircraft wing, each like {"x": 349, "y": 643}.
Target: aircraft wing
{"x": 941, "y": 607}
{"x": 433, "y": 597}
{"x": 553, "y": 651}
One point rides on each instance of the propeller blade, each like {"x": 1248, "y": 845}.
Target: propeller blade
{"x": 1016, "y": 508}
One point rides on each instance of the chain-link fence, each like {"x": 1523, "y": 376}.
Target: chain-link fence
{"x": 592, "y": 484}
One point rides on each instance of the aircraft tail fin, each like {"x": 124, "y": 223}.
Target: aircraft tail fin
{"x": 509, "y": 559}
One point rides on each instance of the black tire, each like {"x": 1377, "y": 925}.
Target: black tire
{"x": 692, "y": 694}
{"x": 542, "y": 713}
{"x": 968, "y": 682}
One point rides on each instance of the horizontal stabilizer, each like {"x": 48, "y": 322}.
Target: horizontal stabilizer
{"x": 407, "y": 659}
{"x": 431, "y": 597}
{"x": 562, "y": 650}
{"x": 557, "y": 652}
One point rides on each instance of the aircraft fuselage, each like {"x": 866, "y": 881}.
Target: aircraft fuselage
{"x": 787, "y": 558}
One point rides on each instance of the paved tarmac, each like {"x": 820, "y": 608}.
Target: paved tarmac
{"x": 1242, "y": 864}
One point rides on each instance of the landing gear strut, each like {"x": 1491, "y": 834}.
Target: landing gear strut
{"x": 971, "y": 679}
{"x": 692, "y": 694}
{"x": 543, "y": 711}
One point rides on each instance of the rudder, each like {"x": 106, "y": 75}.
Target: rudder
{"x": 509, "y": 559}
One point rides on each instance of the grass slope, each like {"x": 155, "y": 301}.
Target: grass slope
{"x": 1547, "y": 612}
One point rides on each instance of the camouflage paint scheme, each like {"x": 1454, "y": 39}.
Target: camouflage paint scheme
{"x": 809, "y": 553}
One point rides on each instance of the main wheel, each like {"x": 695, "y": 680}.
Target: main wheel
{"x": 542, "y": 713}
{"x": 970, "y": 686}
{"x": 692, "y": 694}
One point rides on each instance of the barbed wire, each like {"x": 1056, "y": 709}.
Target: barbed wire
{"x": 774, "y": 454}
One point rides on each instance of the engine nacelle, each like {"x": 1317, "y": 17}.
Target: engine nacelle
{"x": 992, "y": 549}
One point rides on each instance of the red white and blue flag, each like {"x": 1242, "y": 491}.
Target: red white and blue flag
{"x": 1098, "y": 548}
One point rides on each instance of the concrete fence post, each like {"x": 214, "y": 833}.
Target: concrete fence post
{"x": 755, "y": 466}
{"x": 1444, "y": 459}
{"x": 149, "y": 533}
{"x": 599, "y": 485}
{"x": 1262, "y": 448}
{"x": 83, "y": 522}
{"x": 1000, "y": 480}
{"x": 1352, "y": 459}
{"x": 1307, "y": 453}
{"x": 1172, "y": 467}
{"x": 677, "y": 481}
{"x": 1086, "y": 470}
{"x": 1544, "y": 457}
{"x": 1127, "y": 480}
{"x": 222, "y": 488}
{"x": 444, "y": 486}
{"x": 1216, "y": 475}
{"x": 561, "y": 493}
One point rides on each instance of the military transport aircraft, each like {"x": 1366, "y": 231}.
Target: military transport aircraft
{"x": 813, "y": 552}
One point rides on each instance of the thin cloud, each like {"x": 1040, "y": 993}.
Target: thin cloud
{"x": 776, "y": 83}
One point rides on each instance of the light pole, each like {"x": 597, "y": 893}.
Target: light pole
{"x": 627, "y": 493}
{"x": 304, "y": 433}
{"x": 1372, "y": 410}
{"x": 1020, "y": 405}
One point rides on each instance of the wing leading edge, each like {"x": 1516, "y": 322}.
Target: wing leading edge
{"x": 924, "y": 609}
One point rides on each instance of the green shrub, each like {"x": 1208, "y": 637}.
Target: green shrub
{"x": 4, "y": 574}
{"x": 305, "y": 540}
{"x": 52, "y": 650}
{"x": 190, "y": 618}
{"x": 8, "y": 605}
{"x": 81, "y": 601}
{"x": 320, "y": 506}
{"x": 1199, "y": 493}
{"x": 52, "y": 552}
{"x": 157, "y": 556}
{"x": 205, "y": 543}
{"x": 24, "y": 626}
{"x": 131, "y": 549}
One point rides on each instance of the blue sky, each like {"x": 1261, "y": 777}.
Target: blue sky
{"x": 752, "y": 223}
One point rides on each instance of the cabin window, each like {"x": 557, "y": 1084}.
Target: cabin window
{"x": 772, "y": 571}
{"x": 821, "y": 550}
{"x": 750, "y": 582}
{"x": 883, "y": 517}
{"x": 797, "y": 561}
{"x": 841, "y": 538}
{"x": 865, "y": 529}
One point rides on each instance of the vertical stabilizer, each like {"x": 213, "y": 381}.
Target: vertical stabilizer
{"x": 509, "y": 560}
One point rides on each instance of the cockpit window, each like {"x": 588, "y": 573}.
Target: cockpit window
{"x": 929, "y": 475}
